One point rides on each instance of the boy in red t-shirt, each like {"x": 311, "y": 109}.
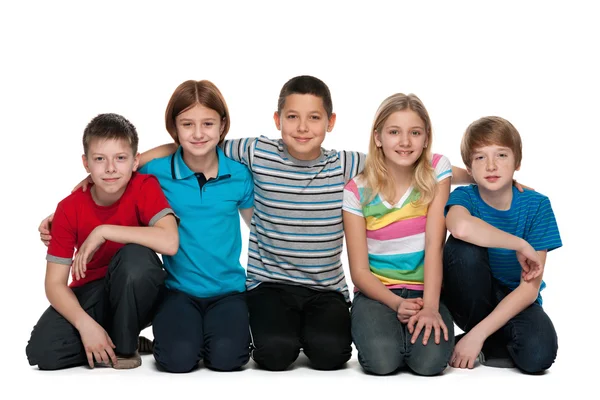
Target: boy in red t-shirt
{"x": 117, "y": 277}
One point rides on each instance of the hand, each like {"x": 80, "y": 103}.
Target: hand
{"x": 97, "y": 344}
{"x": 44, "y": 229}
{"x": 466, "y": 351}
{"x": 86, "y": 252}
{"x": 427, "y": 318}
{"x": 408, "y": 308}
{"x": 521, "y": 187}
{"x": 530, "y": 261}
{"x": 87, "y": 181}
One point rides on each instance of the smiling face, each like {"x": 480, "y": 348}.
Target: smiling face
{"x": 493, "y": 167}
{"x": 110, "y": 162}
{"x": 402, "y": 138}
{"x": 198, "y": 130}
{"x": 303, "y": 123}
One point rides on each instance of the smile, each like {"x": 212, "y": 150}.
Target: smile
{"x": 404, "y": 152}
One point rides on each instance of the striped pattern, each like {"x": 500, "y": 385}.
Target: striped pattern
{"x": 296, "y": 235}
{"x": 395, "y": 233}
{"x": 530, "y": 217}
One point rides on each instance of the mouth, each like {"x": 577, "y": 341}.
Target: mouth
{"x": 492, "y": 178}
{"x": 110, "y": 180}
{"x": 302, "y": 139}
{"x": 404, "y": 153}
{"x": 199, "y": 144}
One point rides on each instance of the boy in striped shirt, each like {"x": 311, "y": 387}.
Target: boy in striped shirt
{"x": 494, "y": 260}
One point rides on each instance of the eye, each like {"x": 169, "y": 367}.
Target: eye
{"x": 393, "y": 131}
{"x": 503, "y": 155}
{"x": 315, "y": 117}
{"x": 98, "y": 158}
{"x": 415, "y": 133}
{"x": 478, "y": 158}
{"x": 291, "y": 117}
{"x": 122, "y": 158}
{"x": 209, "y": 124}
{"x": 187, "y": 124}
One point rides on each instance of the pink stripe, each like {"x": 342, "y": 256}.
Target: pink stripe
{"x": 351, "y": 186}
{"x": 435, "y": 159}
{"x": 399, "y": 229}
{"x": 399, "y": 286}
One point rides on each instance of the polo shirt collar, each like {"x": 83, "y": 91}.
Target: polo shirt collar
{"x": 180, "y": 170}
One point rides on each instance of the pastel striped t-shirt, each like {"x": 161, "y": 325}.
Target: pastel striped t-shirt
{"x": 395, "y": 233}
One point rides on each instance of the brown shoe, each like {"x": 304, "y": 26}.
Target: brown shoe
{"x": 130, "y": 362}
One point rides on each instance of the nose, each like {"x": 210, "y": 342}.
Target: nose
{"x": 197, "y": 132}
{"x": 490, "y": 164}
{"x": 110, "y": 166}
{"x": 302, "y": 126}
{"x": 404, "y": 140}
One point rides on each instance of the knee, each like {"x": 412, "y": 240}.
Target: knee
{"x": 227, "y": 355}
{"x": 140, "y": 262}
{"x": 469, "y": 255}
{"x": 430, "y": 365}
{"x": 379, "y": 356}
{"x": 277, "y": 353}
{"x": 533, "y": 354}
{"x": 328, "y": 352}
{"x": 178, "y": 357}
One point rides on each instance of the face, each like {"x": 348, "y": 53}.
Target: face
{"x": 402, "y": 138}
{"x": 493, "y": 167}
{"x": 199, "y": 130}
{"x": 303, "y": 123}
{"x": 110, "y": 163}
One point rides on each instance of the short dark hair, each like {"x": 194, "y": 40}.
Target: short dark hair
{"x": 306, "y": 84}
{"x": 110, "y": 126}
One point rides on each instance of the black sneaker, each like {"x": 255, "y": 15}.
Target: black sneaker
{"x": 495, "y": 355}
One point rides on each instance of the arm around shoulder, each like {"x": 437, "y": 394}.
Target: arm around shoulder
{"x": 157, "y": 152}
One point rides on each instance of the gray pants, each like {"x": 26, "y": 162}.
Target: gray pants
{"x": 123, "y": 303}
{"x": 383, "y": 342}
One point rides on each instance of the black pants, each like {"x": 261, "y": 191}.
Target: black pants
{"x": 287, "y": 318}
{"x": 471, "y": 293}
{"x": 123, "y": 303}
{"x": 188, "y": 329}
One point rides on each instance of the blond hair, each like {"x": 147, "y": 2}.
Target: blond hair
{"x": 376, "y": 172}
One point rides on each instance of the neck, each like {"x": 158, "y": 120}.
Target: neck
{"x": 105, "y": 199}
{"x": 208, "y": 165}
{"x": 402, "y": 177}
{"x": 498, "y": 199}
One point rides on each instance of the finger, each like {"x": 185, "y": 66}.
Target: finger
{"x": 411, "y": 323}
{"x": 112, "y": 345}
{"x": 105, "y": 357}
{"x": 90, "y": 359}
{"x": 112, "y": 355}
{"x": 444, "y": 329}
{"x": 45, "y": 236}
{"x": 464, "y": 362}
{"x": 416, "y": 332}
{"x": 75, "y": 268}
{"x": 97, "y": 357}
{"x": 471, "y": 363}
{"x": 427, "y": 334}
{"x": 437, "y": 332}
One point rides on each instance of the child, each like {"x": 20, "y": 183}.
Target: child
{"x": 494, "y": 260}
{"x": 114, "y": 291}
{"x": 394, "y": 226}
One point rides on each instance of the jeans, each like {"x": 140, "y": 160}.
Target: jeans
{"x": 287, "y": 318}
{"x": 383, "y": 342}
{"x": 123, "y": 303}
{"x": 472, "y": 293}
{"x": 188, "y": 329}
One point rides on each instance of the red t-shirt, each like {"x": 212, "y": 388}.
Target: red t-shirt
{"x": 142, "y": 204}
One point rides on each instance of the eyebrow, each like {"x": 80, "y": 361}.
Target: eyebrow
{"x": 412, "y": 127}
{"x": 310, "y": 112}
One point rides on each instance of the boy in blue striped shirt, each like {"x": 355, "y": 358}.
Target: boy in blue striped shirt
{"x": 494, "y": 259}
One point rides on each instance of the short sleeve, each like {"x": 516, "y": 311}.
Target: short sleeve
{"x": 442, "y": 167}
{"x": 353, "y": 163}
{"x": 544, "y": 234}
{"x": 247, "y": 199}
{"x": 64, "y": 237}
{"x": 239, "y": 149}
{"x": 352, "y": 202}
{"x": 152, "y": 204}
{"x": 460, "y": 197}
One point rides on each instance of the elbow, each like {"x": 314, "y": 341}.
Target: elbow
{"x": 172, "y": 246}
{"x": 458, "y": 229}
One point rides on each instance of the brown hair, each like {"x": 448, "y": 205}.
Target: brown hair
{"x": 190, "y": 93}
{"x": 110, "y": 126}
{"x": 490, "y": 131}
{"x": 306, "y": 84}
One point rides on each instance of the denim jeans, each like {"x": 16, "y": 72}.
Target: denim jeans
{"x": 383, "y": 342}
{"x": 472, "y": 293}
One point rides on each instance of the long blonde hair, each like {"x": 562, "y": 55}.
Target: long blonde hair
{"x": 376, "y": 173}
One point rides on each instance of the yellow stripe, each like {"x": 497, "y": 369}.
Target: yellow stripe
{"x": 406, "y": 212}
{"x": 388, "y": 281}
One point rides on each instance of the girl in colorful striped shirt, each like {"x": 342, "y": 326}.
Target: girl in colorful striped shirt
{"x": 395, "y": 231}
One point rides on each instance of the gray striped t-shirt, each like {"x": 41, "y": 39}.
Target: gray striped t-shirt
{"x": 296, "y": 235}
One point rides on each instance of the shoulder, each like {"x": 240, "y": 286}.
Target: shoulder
{"x": 157, "y": 166}
{"x": 532, "y": 199}
{"x": 74, "y": 199}
{"x": 465, "y": 191}
{"x": 237, "y": 169}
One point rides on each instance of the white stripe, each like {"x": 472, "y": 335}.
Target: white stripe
{"x": 410, "y": 244}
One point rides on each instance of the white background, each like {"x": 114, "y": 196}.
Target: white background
{"x": 534, "y": 63}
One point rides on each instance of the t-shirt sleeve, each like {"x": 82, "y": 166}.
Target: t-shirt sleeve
{"x": 64, "y": 236}
{"x": 442, "y": 167}
{"x": 544, "y": 234}
{"x": 239, "y": 149}
{"x": 247, "y": 199}
{"x": 151, "y": 203}
{"x": 353, "y": 163}
{"x": 460, "y": 197}
{"x": 352, "y": 199}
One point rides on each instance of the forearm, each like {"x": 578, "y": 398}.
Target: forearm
{"x": 63, "y": 300}
{"x": 157, "y": 152}
{"x": 161, "y": 240}
{"x": 372, "y": 287}
{"x": 432, "y": 279}
{"x": 476, "y": 231}
{"x": 460, "y": 176}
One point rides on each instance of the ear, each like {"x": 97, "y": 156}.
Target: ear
{"x": 377, "y": 137}
{"x": 331, "y": 123}
{"x": 518, "y": 167}
{"x": 277, "y": 120}
{"x": 85, "y": 163}
{"x": 222, "y": 126}
{"x": 469, "y": 171}
{"x": 136, "y": 162}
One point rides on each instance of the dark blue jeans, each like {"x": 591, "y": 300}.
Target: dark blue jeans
{"x": 188, "y": 329}
{"x": 383, "y": 342}
{"x": 471, "y": 293}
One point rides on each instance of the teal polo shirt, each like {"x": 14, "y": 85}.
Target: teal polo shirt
{"x": 210, "y": 242}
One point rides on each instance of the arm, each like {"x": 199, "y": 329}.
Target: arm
{"x": 460, "y": 176}
{"x": 435, "y": 236}
{"x": 96, "y": 341}
{"x": 246, "y": 214}
{"x": 362, "y": 277}
{"x": 157, "y": 152}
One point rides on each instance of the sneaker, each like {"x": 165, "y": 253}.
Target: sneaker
{"x": 145, "y": 345}
{"x": 496, "y": 356}
{"x": 130, "y": 362}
